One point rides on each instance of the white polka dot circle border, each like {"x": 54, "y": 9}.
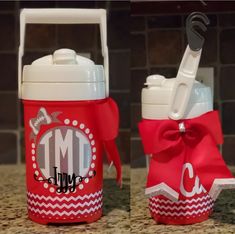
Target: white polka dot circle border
{"x": 90, "y": 136}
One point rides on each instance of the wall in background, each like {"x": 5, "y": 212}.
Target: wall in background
{"x": 44, "y": 39}
{"x": 156, "y": 45}
{"x": 158, "y": 41}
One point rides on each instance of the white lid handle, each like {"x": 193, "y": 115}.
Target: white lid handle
{"x": 64, "y": 16}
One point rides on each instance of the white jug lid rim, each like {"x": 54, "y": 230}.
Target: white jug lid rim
{"x": 64, "y": 66}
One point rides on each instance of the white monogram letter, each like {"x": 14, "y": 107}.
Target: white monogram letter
{"x": 64, "y": 146}
{"x": 84, "y": 154}
{"x": 45, "y": 141}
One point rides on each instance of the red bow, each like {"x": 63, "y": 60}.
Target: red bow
{"x": 173, "y": 143}
{"x": 107, "y": 117}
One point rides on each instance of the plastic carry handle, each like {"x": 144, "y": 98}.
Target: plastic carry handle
{"x": 183, "y": 84}
{"x": 64, "y": 16}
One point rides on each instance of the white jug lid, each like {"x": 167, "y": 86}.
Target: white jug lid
{"x": 64, "y": 65}
{"x": 158, "y": 90}
{"x": 77, "y": 77}
{"x": 156, "y": 98}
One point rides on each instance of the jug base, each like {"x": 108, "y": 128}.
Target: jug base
{"x": 180, "y": 221}
{"x": 44, "y": 221}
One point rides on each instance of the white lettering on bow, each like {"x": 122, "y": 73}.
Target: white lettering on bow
{"x": 197, "y": 189}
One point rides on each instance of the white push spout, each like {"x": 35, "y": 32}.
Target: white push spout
{"x": 189, "y": 65}
{"x": 184, "y": 83}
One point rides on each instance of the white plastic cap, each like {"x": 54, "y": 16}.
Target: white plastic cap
{"x": 155, "y": 80}
{"x": 64, "y": 56}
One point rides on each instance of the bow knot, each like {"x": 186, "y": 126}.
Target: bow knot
{"x": 171, "y": 134}
{"x": 182, "y": 127}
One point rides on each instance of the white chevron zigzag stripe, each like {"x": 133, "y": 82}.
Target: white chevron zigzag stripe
{"x": 182, "y": 207}
{"x": 207, "y": 197}
{"x": 219, "y": 185}
{"x": 60, "y": 199}
{"x": 162, "y": 189}
{"x": 42, "y": 204}
{"x": 59, "y": 213}
{"x": 190, "y": 213}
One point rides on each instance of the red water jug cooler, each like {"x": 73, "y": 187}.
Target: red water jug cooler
{"x": 69, "y": 122}
{"x": 180, "y": 132}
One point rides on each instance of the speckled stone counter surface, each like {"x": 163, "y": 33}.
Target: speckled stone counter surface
{"x": 13, "y": 211}
{"x": 221, "y": 221}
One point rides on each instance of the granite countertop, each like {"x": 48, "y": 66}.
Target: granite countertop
{"x": 13, "y": 210}
{"x": 221, "y": 221}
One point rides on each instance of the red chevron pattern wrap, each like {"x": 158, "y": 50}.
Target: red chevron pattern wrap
{"x": 65, "y": 142}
